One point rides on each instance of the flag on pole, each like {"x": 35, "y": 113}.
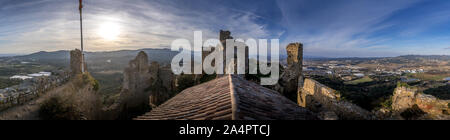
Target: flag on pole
{"x": 81, "y": 4}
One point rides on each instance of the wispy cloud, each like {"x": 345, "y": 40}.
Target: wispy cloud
{"x": 327, "y": 28}
{"x": 143, "y": 24}
{"x": 340, "y": 29}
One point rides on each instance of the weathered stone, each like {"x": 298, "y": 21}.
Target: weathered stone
{"x": 162, "y": 84}
{"x": 319, "y": 98}
{"x": 224, "y": 35}
{"x": 136, "y": 75}
{"x": 291, "y": 80}
{"x": 295, "y": 55}
{"x": 167, "y": 77}
{"x": 144, "y": 86}
{"x": 75, "y": 62}
{"x": 405, "y": 98}
{"x": 206, "y": 53}
{"x": 136, "y": 79}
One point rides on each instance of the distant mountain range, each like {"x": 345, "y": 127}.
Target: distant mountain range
{"x": 117, "y": 60}
{"x": 410, "y": 57}
{"x": 113, "y": 60}
{"x": 8, "y": 55}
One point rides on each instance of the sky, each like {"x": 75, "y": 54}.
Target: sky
{"x": 327, "y": 28}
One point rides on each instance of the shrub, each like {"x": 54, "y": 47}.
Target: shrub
{"x": 59, "y": 108}
{"x": 402, "y": 84}
{"x": 387, "y": 103}
{"x": 88, "y": 79}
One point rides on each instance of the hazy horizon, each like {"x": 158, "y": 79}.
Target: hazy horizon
{"x": 335, "y": 29}
{"x": 281, "y": 54}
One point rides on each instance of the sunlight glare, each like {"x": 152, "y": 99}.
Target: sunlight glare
{"x": 109, "y": 31}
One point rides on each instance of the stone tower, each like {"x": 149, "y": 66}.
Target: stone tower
{"x": 292, "y": 79}
{"x": 295, "y": 60}
{"x": 75, "y": 62}
{"x": 295, "y": 55}
{"x": 224, "y": 35}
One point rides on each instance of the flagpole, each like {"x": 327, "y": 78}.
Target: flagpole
{"x": 81, "y": 30}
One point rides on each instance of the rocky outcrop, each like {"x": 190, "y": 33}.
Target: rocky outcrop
{"x": 405, "y": 98}
{"x": 324, "y": 100}
{"x": 75, "y": 62}
{"x": 291, "y": 79}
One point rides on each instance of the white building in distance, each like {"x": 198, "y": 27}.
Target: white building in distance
{"x": 31, "y": 76}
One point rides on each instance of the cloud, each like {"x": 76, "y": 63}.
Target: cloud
{"x": 334, "y": 27}
{"x": 326, "y": 28}
{"x": 144, "y": 24}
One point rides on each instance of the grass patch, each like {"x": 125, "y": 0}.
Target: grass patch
{"x": 365, "y": 79}
{"x": 428, "y": 77}
{"x": 81, "y": 80}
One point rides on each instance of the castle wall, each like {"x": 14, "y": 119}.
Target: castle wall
{"x": 320, "y": 98}
{"x": 30, "y": 89}
{"x": 291, "y": 81}
{"x": 145, "y": 85}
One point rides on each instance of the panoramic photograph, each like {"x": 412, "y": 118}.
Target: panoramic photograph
{"x": 263, "y": 60}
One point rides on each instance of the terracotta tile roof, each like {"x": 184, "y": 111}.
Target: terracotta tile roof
{"x": 228, "y": 98}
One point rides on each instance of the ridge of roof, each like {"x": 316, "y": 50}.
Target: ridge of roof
{"x": 230, "y": 97}
{"x": 234, "y": 99}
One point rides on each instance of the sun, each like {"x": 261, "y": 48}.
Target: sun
{"x": 109, "y": 31}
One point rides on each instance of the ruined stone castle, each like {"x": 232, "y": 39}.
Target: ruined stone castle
{"x": 232, "y": 97}
{"x": 144, "y": 84}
